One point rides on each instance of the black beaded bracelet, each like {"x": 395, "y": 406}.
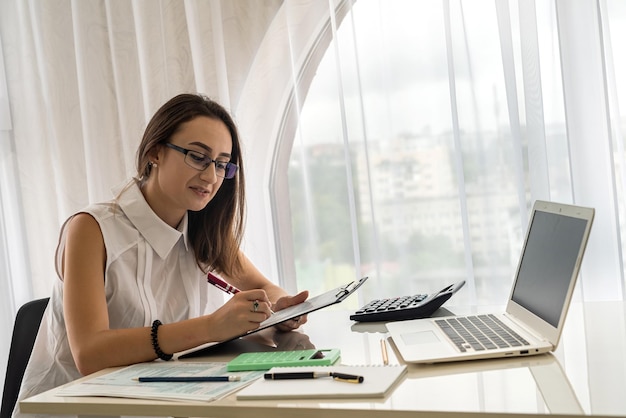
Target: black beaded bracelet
{"x": 155, "y": 342}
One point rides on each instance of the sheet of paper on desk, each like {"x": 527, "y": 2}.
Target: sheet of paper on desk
{"x": 378, "y": 382}
{"x": 121, "y": 383}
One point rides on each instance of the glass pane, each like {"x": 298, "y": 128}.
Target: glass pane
{"x": 414, "y": 128}
{"x": 403, "y": 159}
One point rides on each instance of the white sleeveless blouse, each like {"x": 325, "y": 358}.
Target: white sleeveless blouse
{"x": 150, "y": 273}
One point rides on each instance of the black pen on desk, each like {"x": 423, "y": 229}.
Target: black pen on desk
{"x": 343, "y": 377}
{"x": 172, "y": 379}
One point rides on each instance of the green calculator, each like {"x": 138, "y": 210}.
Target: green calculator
{"x": 267, "y": 360}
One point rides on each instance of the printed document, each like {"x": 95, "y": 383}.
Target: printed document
{"x": 122, "y": 383}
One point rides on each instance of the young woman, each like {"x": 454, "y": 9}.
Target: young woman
{"x": 133, "y": 271}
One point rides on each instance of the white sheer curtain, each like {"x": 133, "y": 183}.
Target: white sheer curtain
{"x": 444, "y": 121}
{"x": 15, "y": 286}
{"x": 82, "y": 79}
{"x": 83, "y": 76}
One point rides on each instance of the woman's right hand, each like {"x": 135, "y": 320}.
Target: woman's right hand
{"x": 241, "y": 314}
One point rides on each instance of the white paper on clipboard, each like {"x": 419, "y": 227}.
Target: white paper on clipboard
{"x": 323, "y": 300}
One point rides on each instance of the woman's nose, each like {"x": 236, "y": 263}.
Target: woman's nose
{"x": 209, "y": 174}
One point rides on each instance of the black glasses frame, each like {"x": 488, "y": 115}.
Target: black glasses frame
{"x": 229, "y": 169}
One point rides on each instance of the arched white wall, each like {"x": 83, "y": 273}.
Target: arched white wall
{"x": 267, "y": 112}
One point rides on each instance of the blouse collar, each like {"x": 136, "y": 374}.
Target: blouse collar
{"x": 157, "y": 232}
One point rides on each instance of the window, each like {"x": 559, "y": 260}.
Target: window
{"x": 412, "y": 161}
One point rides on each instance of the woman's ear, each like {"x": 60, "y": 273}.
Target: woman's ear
{"x": 155, "y": 154}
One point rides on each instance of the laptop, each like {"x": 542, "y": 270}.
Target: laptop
{"x": 538, "y": 303}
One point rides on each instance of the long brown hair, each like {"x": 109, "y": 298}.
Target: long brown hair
{"x": 216, "y": 231}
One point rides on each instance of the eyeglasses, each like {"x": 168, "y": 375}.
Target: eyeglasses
{"x": 201, "y": 162}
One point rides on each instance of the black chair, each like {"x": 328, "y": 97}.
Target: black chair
{"x": 25, "y": 330}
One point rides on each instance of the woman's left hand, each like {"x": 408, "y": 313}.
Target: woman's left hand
{"x": 287, "y": 301}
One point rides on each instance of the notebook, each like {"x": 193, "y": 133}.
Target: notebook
{"x": 538, "y": 303}
{"x": 377, "y": 383}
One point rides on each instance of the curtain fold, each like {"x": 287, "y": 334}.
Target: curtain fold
{"x": 15, "y": 286}
{"x": 591, "y": 155}
{"x": 458, "y": 154}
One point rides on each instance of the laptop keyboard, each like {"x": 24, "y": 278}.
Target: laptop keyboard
{"x": 479, "y": 332}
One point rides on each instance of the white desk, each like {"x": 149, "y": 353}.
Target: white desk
{"x": 586, "y": 375}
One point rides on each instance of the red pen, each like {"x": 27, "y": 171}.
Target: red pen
{"x": 221, "y": 284}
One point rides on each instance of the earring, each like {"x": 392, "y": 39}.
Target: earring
{"x": 153, "y": 165}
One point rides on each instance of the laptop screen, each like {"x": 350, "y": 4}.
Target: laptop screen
{"x": 547, "y": 265}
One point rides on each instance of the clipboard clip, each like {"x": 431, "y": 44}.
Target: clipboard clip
{"x": 347, "y": 290}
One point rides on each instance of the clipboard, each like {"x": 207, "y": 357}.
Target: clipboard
{"x": 318, "y": 302}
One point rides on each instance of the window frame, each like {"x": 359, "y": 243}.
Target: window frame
{"x": 267, "y": 161}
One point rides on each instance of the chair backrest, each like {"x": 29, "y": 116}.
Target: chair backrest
{"x": 25, "y": 331}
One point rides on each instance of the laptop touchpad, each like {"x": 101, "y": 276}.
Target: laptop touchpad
{"x": 422, "y": 337}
